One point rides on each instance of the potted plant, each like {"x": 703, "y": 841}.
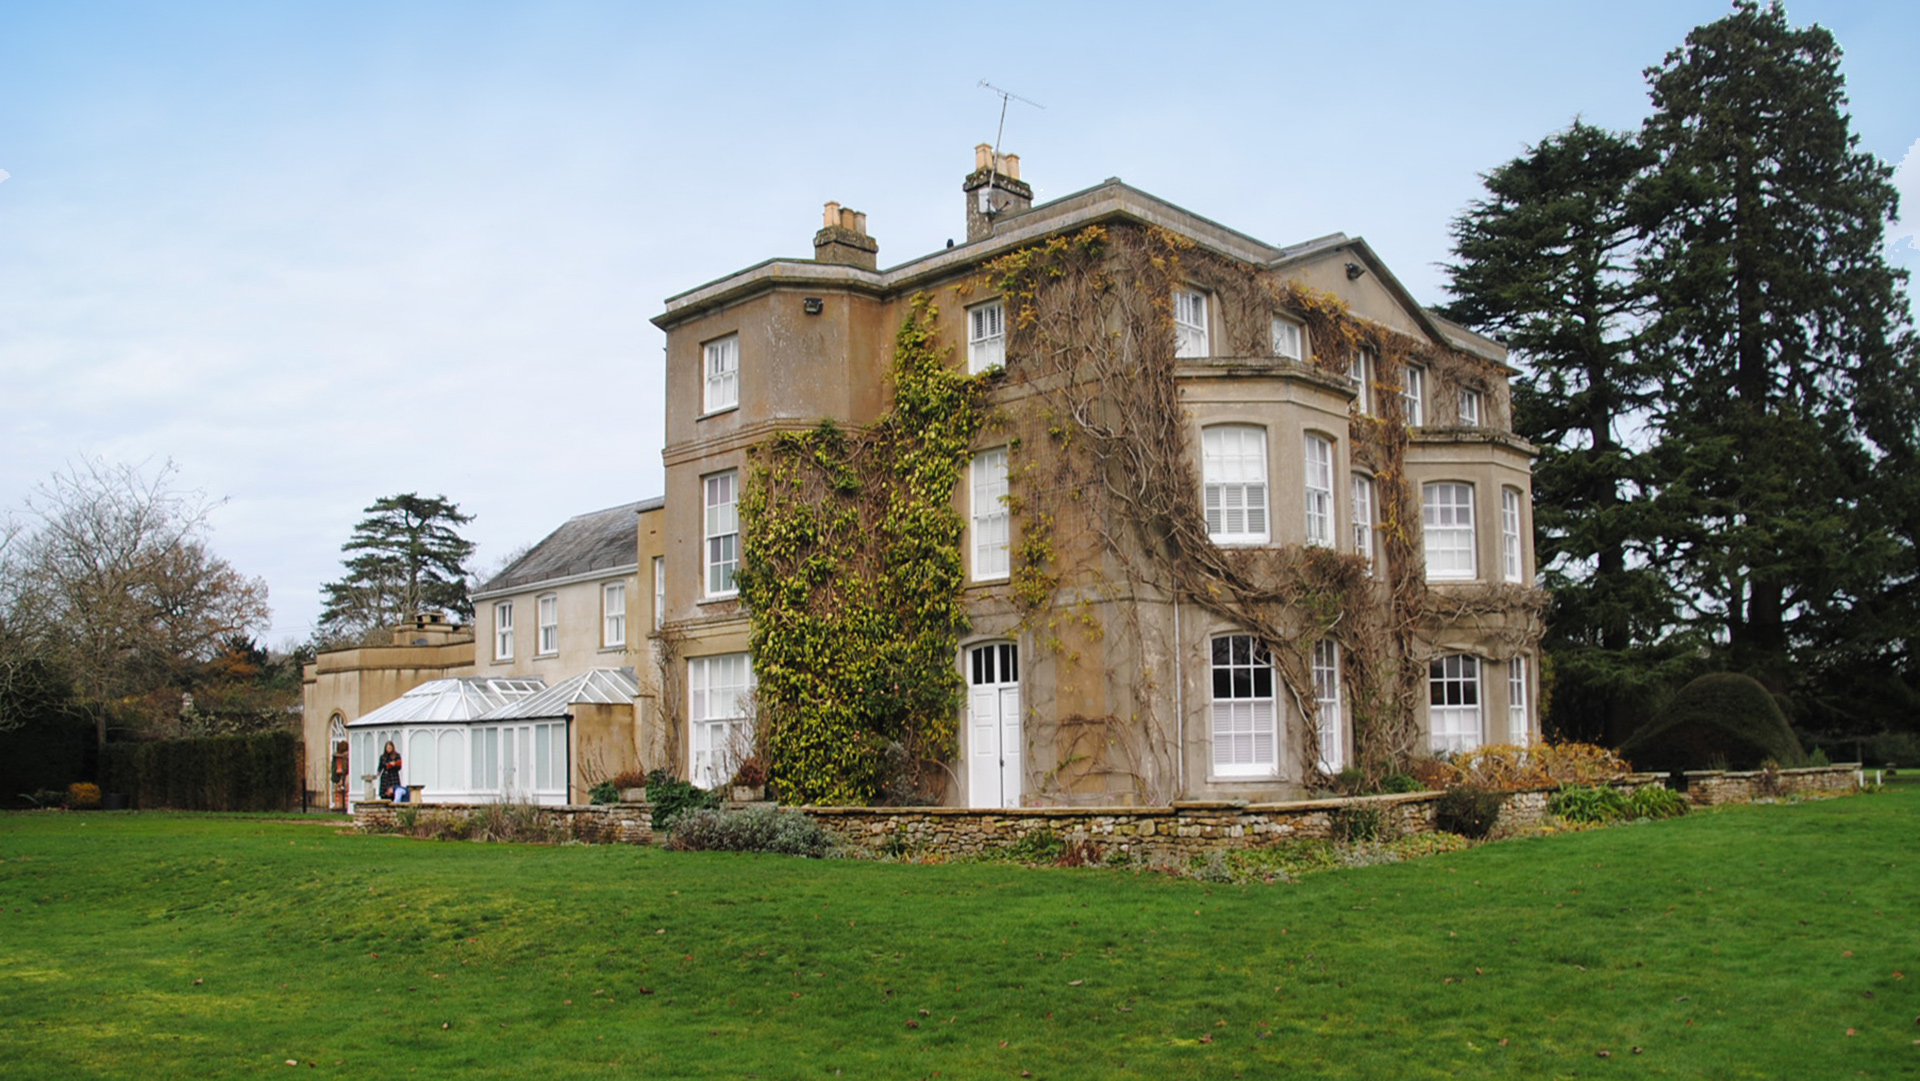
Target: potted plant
{"x": 750, "y": 780}
{"x": 632, "y": 786}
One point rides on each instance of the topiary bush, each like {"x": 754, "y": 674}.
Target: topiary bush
{"x": 756, "y": 829}
{"x": 1722, "y": 717}
{"x": 1468, "y": 811}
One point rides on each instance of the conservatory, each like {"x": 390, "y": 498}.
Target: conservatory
{"x": 480, "y": 740}
{"x": 450, "y": 754}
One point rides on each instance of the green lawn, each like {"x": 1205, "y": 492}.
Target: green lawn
{"x": 1767, "y": 941}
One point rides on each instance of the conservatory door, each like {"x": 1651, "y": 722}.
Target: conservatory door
{"x": 993, "y": 725}
{"x": 516, "y": 763}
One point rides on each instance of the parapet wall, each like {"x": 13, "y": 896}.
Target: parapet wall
{"x": 1712, "y": 787}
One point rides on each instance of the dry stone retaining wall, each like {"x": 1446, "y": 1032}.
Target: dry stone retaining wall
{"x": 1180, "y": 831}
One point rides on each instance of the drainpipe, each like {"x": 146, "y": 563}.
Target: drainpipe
{"x": 568, "y": 717}
{"x": 1179, "y": 705}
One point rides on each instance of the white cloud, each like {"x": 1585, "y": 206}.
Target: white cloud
{"x": 1906, "y": 180}
{"x": 4, "y": 175}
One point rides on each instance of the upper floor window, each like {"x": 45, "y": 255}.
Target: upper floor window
{"x": 986, "y": 337}
{"x": 1470, "y": 407}
{"x": 1288, "y": 340}
{"x": 503, "y": 631}
{"x": 990, "y": 517}
{"x": 1413, "y": 396}
{"x": 1453, "y": 702}
{"x": 722, "y": 374}
{"x": 659, "y": 591}
{"x": 549, "y": 624}
{"x": 722, "y": 533}
{"x": 1326, "y": 694}
{"x": 1511, "y": 563}
{"x": 1319, "y": 491}
{"x": 1245, "y": 738}
{"x": 613, "y": 614}
{"x": 1363, "y": 518}
{"x": 1234, "y": 468}
{"x": 1190, "y": 324}
{"x": 1519, "y": 730}
{"x": 1360, "y": 370}
{"x": 1446, "y": 519}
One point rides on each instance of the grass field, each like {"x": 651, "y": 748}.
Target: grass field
{"x": 1766, "y": 941}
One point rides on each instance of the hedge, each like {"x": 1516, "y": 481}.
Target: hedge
{"x": 260, "y": 772}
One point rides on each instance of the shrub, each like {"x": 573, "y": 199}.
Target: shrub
{"x": 83, "y": 796}
{"x": 1359, "y": 823}
{"x": 259, "y": 772}
{"x": 1467, "y": 810}
{"x": 1039, "y": 847}
{"x": 630, "y": 778}
{"x": 1722, "y": 715}
{"x": 672, "y": 797}
{"x": 756, "y": 829}
{"x": 1590, "y": 804}
{"x": 604, "y": 792}
{"x": 1401, "y": 782}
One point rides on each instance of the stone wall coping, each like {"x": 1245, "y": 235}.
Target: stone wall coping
{"x": 1833, "y": 767}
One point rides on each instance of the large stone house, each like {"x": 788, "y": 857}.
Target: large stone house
{"x": 1159, "y": 377}
{"x": 1236, "y": 517}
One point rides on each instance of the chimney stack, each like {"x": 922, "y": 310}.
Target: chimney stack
{"x": 994, "y": 189}
{"x": 843, "y": 239}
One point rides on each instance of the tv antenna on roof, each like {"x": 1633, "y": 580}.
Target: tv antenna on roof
{"x": 1005, "y": 97}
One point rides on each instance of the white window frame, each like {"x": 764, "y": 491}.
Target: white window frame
{"x": 1446, "y": 526}
{"x": 613, "y": 615}
{"x": 503, "y": 631}
{"x": 1470, "y": 403}
{"x": 1358, "y": 370}
{"x": 659, "y": 592}
{"x": 719, "y": 727}
{"x": 1325, "y": 662}
{"x": 1289, "y": 339}
{"x": 1317, "y": 491}
{"x": 1190, "y": 337}
{"x": 986, "y": 337}
{"x": 1512, "y": 554}
{"x": 720, "y": 551}
{"x": 720, "y": 374}
{"x": 1363, "y": 529}
{"x": 1244, "y": 715}
{"x": 1413, "y": 396}
{"x": 1519, "y": 727}
{"x": 1455, "y": 716}
{"x": 991, "y": 517}
{"x": 1233, "y": 468}
{"x": 547, "y": 612}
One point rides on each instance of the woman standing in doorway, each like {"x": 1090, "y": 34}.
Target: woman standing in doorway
{"x": 389, "y": 771}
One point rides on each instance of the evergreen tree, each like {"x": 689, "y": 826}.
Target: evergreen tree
{"x": 1787, "y": 427}
{"x": 1546, "y": 262}
{"x": 406, "y": 557}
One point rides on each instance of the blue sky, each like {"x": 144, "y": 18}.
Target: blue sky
{"x": 316, "y": 253}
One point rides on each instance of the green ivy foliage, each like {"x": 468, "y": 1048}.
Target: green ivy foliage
{"x": 852, "y": 573}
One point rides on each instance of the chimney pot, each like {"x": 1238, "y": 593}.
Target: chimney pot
{"x": 843, "y": 239}
{"x": 993, "y": 189}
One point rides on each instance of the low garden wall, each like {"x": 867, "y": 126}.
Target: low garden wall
{"x": 1183, "y": 830}
{"x": 1711, "y": 787}
{"x": 599, "y": 823}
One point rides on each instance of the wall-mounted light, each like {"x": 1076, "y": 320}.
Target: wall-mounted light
{"x": 1354, "y": 270}
{"x": 813, "y": 305}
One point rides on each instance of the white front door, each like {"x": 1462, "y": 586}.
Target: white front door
{"x": 993, "y": 725}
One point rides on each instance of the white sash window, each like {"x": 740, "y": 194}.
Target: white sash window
{"x": 1190, "y": 324}
{"x": 1446, "y": 519}
{"x": 722, "y": 733}
{"x": 1453, "y": 702}
{"x": 613, "y": 614}
{"x": 722, "y": 374}
{"x": 986, "y": 337}
{"x": 1288, "y": 341}
{"x": 1319, "y": 491}
{"x": 1245, "y": 737}
{"x": 1363, "y": 519}
{"x": 1413, "y": 397}
{"x": 723, "y": 533}
{"x": 1234, "y": 468}
{"x": 1511, "y": 562}
{"x": 1519, "y": 731}
{"x": 503, "y": 631}
{"x": 990, "y": 516}
{"x": 549, "y": 613}
{"x": 1326, "y": 694}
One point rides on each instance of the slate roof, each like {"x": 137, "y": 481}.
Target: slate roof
{"x": 613, "y": 686}
{"x": 597, "y": 540}
{"x": 464, "y": 699}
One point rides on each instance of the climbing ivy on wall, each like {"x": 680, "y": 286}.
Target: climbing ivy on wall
{"x": 1091, "y": 335}
{"x": 852, "y": 573}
